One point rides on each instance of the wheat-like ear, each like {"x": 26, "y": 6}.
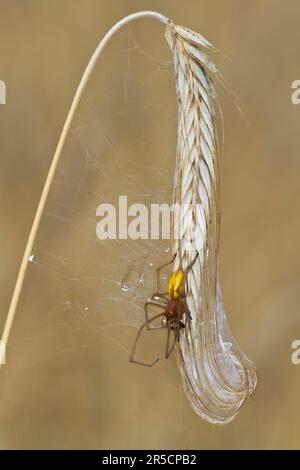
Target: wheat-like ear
{"x": 217, "y": 375}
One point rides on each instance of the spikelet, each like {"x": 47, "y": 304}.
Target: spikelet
{"x": 217, "y": 376}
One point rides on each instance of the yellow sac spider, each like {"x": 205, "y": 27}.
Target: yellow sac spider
{"x": 174, "y": 306}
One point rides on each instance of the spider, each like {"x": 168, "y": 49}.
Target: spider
{"x": 174, "y": 308}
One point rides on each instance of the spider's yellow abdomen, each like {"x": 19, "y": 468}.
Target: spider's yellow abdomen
{"x": 176, "y": 284}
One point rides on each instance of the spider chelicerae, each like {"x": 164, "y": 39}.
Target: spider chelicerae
{"x": 175, "y": 310}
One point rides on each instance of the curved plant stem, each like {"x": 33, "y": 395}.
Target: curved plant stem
{"x": 81, "y": 87}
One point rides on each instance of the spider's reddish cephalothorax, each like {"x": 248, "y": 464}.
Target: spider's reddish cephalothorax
{"x": 175, "y": 310}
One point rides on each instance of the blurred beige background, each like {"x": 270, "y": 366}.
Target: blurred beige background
{"x": 68, "y": 383}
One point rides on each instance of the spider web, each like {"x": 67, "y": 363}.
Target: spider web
{"x": 107, "y": 156}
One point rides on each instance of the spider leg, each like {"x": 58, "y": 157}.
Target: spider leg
{"x": 147, "y": 320}
{"x": 186, "y": 310}
{"x": 189, "y": 315}
{"x": 160, "y": 297}
{"x": 183, "y": 296}
{"x": 132, "y": 359}
{"x": 191, "y": 263}
{"x": 158, "y": 272}
{"x": 168, "y": 348}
